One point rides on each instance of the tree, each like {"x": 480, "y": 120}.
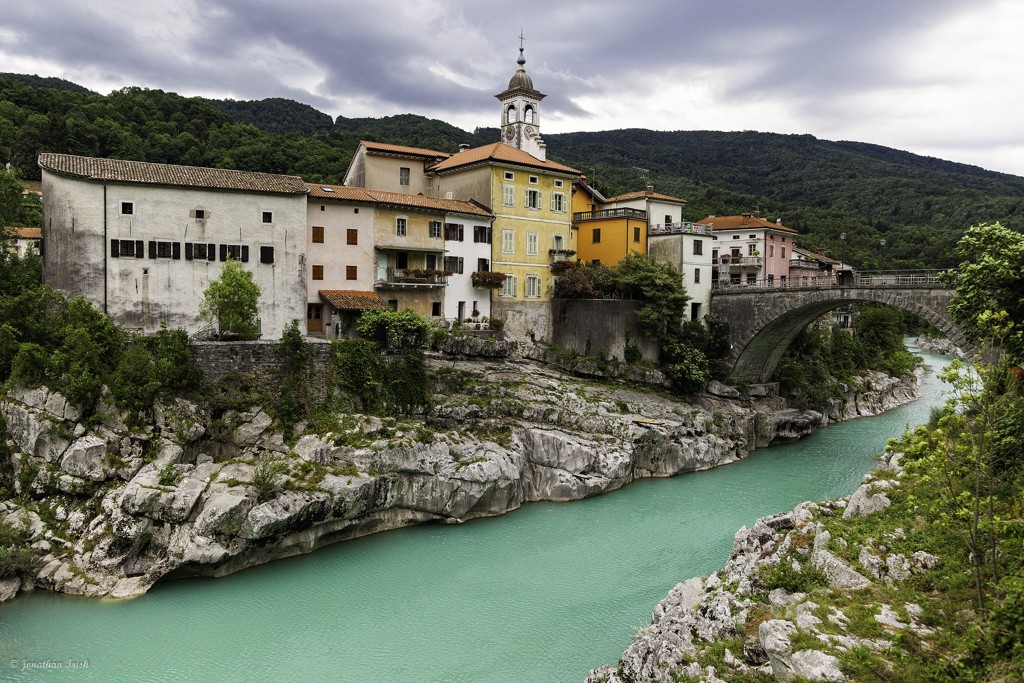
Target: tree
{"x": 988, "y": 282}
{"x": 231, "y": 302}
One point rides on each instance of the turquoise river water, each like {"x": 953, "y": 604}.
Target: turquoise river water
{"x": 542, "y": 594}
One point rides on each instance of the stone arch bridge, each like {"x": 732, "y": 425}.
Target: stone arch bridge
{"x": 763, "y": 321}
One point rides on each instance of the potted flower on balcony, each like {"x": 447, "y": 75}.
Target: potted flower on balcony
{"x": 561, "y": 267}
{"x": 489, "y": 279}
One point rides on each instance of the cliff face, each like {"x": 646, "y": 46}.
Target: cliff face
{"x": 111, "y": 510}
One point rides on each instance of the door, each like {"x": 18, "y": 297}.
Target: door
{"x": 314, "y": 317}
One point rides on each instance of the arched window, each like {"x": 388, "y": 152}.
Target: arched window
{"x": 528, "y": 114}
{"x": 510, "y": 116}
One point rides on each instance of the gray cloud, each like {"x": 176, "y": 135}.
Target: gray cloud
{"x": 451, "y": 56}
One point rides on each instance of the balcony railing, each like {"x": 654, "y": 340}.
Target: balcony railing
{"x": 561, "y": 254}
{"x": 398, "y": 279}
{"x": 679, "y": 228}
{"x": 609, "y": 213}
{"x": 742, "y": 261}
{"x": 799, "y": 264}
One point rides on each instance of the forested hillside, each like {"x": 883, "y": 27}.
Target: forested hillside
{"x": 918, "y": 205}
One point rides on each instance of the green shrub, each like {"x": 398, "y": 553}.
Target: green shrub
{"x": 783, "y": 575}
{"x": 265, "y": 479}
{"x": 396, "y": 329}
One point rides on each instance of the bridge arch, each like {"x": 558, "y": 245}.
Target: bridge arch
{"x": 763, "y": 322}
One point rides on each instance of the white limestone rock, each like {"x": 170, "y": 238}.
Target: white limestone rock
{"x": 9, "y": 588}
{"x": 813, "y": 665}
{"x": 868, "y": 499}
{"x": 87, "y": 458}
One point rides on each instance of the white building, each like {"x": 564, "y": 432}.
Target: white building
{"x": 142, "y": 241}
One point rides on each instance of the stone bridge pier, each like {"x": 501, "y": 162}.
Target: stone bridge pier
{"x": 764, "y": 321}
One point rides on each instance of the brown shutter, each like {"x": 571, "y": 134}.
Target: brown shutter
{"x": 115, "y": 248}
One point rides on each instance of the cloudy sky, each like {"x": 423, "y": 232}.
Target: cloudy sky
{"x": 936, "y": 77}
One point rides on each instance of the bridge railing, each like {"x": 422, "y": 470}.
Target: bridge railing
{"x": 867, "y": 278}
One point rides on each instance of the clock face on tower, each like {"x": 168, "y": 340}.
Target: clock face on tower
{"x": 529, "y": 130}
{"x": 509, "y": 133}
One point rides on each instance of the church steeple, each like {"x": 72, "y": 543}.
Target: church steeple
{"x": 520, "y": 112}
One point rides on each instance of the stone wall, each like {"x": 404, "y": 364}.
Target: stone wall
{"x": 524, "y": 320}
{"x": 258, "y": 358}
{"x": 599, "y": 327}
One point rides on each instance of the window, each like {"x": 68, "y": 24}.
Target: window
{"x": 636, "y": 234}
{"x": 403, "y": 176}
{"x": 454, "y": 232}
{"x": 668, "y": 219}
{"x": 323, "y": 208}
{"x": 268, "y": 216}
{"x": 508, "y": 195}
{"x": 534, "y": 180}
{"x": 401, "y": 260}
{"x": 559, "y": 183}
{"x": 127, "y": 208}
{"x": 558, "y": 202}
{"x": 393, "y": 304}
{"x": 509, "y": 175}
{"x": 735, "y": 237}
{"x": 714, "y": 254}
{"x": 435, "y": 229}
{"x": 532, "y": 243}
{"x": 508, "y": 241}
{"x": 751, "y": 237}
{"x": 454, "y": 263}
{"x": 266, "y": 254}
{"x": 435, "y": 309}
{"x": 430, "y": 261}
{"x": 532, "y": 286}
{"x": 696, "y": 276}
{"x": 533, "y": 199}
{"x": 528, "y": 114}
{"x": 482, "y": 234}
{"x": 351, "y": 273}
{"x": 751, "y": 278}
{"x": 161, "y": 249}
{"x": 783, "y": 252}
{"x": 355, "y": 210}
{"x": 318, "y": 272}
{"x": 483, "y": 265}
{"x": 698, "y": 247}
{"x": 318, "y": 234}
{"x": 559, "y": 242}
{"x": 200, "y": 214}
{"x": 510, "y": 114}
{"x": 126, "y": 248}
{"x": 200, "y": 251}
{"x": 401, "y": 225}
{"x": 352, "y": 236}
{"x": 597, "y": 235}
{"x": 510, "y": 287}
{"x": 236, "y": 252}
{"x": 751, "y": 248}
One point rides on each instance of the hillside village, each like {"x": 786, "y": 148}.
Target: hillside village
{"x": 476, "y": 237}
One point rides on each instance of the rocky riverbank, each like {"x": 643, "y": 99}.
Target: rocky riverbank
{"x": 941, "y": 345}
{"x": 793, "y": 599}
{"x": 109, "y": 509}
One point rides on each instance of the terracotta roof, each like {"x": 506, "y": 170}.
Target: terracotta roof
{"x": 116, "y": 170}
{"x": 383, "y": 147}
{"x": 498, "y": 151}
{"x": 24, "y": 233}
{"x": 742, "y": 222}
{"x": 419, "y": 201}
{"x": 424, "y": 202}
{"x": 352, "y": 194}
{"x": 646, "y": 194}
{"x": 352, "y": 300}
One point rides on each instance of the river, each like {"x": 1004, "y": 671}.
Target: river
{"x": 542, "y": 594}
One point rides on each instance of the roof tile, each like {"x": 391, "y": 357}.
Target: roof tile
{"x": 352, "y": 300}
{"x": 498, "y": 151}
{"x": 117, "y": 170}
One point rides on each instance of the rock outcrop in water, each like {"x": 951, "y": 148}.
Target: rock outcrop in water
{"x": 118, "y": 508}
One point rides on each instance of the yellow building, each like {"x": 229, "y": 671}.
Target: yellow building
{"x": 609, "y": 229}
{"x": 530, "y": 200}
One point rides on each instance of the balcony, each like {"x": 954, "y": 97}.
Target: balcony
{"x": 609, "y": 213}
{"x": 679, "y": 229}
{"x": 411, "y": 278}
{"x": 738, "y": 262}
{"x": 561, "y": 254}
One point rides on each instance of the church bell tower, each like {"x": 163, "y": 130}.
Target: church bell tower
{"x": 520, "y": 113}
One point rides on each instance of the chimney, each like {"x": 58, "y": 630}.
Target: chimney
{"x": 650, "y": 187}
{"x": 778, "y": 221}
